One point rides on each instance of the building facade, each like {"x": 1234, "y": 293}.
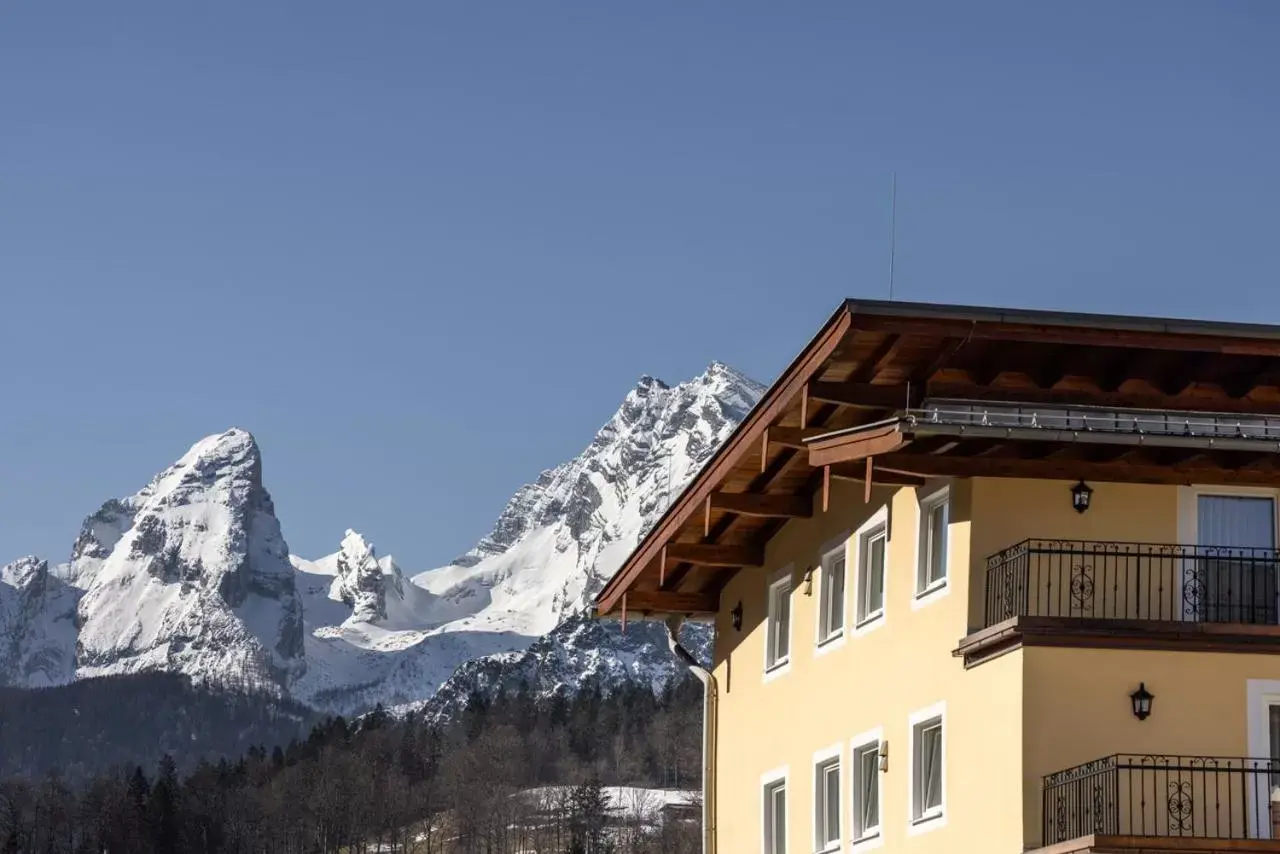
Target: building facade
{"x": 989, "y": 581}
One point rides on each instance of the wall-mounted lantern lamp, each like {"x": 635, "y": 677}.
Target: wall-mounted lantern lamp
{"x": 1080, "y": 496}
{"x": 1141, "y": 700}
{"x": 884, "y": 757}
{"x": 736, "y": 616}
{"x": 808, "y": 581}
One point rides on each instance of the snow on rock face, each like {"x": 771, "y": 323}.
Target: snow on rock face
{"x": 578, "y": 651}
{"x": 199, "y": 582}
{"x": 192, "y": 575}
{"x": 360, "y": 582}
{"x": 37, "y": 626}
{"x": 560, "y": 539}
{"x": 487, "y": 616}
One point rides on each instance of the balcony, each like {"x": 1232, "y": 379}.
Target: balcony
{"x": 1132, "y": 581}
{"x": 1148, "y": 595}
{"x": 1163, "y": 803}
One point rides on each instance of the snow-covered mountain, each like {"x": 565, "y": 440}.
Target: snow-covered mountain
{"x": 37, "y": 625}
{"x": 199, "y": 583}
{"x": 562, "y": 537}
{"x": 192, "y": 575}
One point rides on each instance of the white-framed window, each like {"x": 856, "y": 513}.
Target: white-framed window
{"x": 831, "y": 594}
{"x": 826, "y": 800}
{"x": 866, "y": 786}
{"x": 774, "y": 812}
{"x": 778, "y": 635}
{"x": 872, "y": 544}
{"x": 928, "y": 767}
{"x": 935, "y": 519}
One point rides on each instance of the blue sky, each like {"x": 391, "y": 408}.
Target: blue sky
{"x": 422, "y": 250}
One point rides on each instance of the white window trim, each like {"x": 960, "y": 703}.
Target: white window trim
{"x": 835, "y": 752}
{"x": 857, "y": 743}
{"x": 1189, "y": 507}
{"x": 916, "y": 826}
{"x": 779, "y": 668}
{"x": 941, "y": 588}
{"x": 875, "y": 621}
{"x": 767, "y": 780}
{"x": 831, "y": 549}
{"x": 1259, "y": 694}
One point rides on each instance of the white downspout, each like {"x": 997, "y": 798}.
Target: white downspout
{"x": 708, "y": 681}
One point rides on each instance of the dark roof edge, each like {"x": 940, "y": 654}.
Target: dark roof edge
{"x": 1118, "y": 322}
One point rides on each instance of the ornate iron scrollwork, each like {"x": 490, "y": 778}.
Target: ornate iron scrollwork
{"x": 1081, "y": 586}
{"x": 1181, "y": 804}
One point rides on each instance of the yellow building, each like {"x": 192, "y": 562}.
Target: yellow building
{"x": 989, "y": 581}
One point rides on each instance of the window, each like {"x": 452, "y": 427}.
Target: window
{"x": 775, "y": 816}
{"x": 778, "y": 642}
{"x": 934, "y": 518}
{"x": 831, "y": 596}
{"x": 866, "y": 790}
{"x": 872, "y": 545}
{"x": 926, "y": 768}
{"x": 826, "y": 802}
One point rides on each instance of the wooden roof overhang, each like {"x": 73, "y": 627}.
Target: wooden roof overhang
{"x": 863, "y": 400}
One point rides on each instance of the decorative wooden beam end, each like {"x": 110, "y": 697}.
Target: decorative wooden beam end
{"x": 804, "y": 407}
{"x": 662, "y": 568}
{"x": 764, "y": 450}
{"x": 826, "y": 488}
{"x": 706, "y": 517}
{"x": 871, "y": 467}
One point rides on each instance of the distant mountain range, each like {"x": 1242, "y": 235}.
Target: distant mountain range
{"x": 192, "y": 576}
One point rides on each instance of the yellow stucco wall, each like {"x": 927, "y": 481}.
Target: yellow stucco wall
{"x": 1009, "y": 721}
{"x": 877, "y": 679}
{"x": 1076, "y": 708}
{"x": 1007, "y": 511}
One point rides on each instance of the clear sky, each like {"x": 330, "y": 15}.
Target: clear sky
{"x": 422, "y": 250}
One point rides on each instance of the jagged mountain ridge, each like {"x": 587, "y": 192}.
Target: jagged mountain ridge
{"x": 192, "y": 575}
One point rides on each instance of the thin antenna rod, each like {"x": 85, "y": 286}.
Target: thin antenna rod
{"x": 893, "y": 229}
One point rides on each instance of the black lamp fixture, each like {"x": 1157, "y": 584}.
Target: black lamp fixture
{"x": 736, "y": 616}
{"x": 1141, "y": 700}
{"x": 1080, "y": 496}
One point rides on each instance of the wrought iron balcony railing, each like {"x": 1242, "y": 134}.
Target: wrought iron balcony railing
{"x": 1133, "y": 581}
{"x": 1203, "y": 797}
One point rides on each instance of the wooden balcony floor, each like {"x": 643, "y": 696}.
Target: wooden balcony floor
{"x": 1100, "y": 844}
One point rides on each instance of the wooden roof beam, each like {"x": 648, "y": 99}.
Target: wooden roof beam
{"x": 715, "y": 554}
{"x": 863, "y": 395}
{"x": 768, "y": 506}
{"x": 660, "y": 601}
{"x": 882, "y": 477}
{"x": 1120, "y": 400}
{"x": 878, "y": 360}
{"x": 793, "y": 437}
{"x": 857, "y": 445}
{"x": 944, "y": 466}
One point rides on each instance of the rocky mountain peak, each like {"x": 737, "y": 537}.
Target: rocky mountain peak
{"x": 24, "y": 571}
{"x": 200, "y": 580}
{"x": 359, "y": 581}
{"x": 577, "y": 522}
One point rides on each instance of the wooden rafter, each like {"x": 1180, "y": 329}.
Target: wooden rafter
{"x": 648, "y": 601}
{"x": 768, "y": 506}
{"x": 946, "y": 466}
{"x": 715, "y": 554}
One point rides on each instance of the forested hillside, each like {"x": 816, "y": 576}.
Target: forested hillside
{"x": 403, "y": 784}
